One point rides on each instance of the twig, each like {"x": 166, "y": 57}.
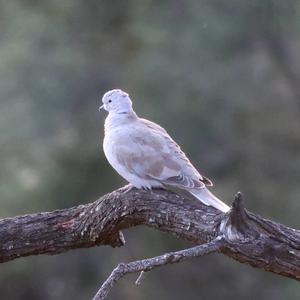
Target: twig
{"x": 140, "y": 278}
{"x": 150, "y": 263}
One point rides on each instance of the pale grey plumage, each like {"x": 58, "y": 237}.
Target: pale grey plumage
{"x": 145, "y": 155}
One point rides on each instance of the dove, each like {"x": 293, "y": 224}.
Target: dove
{"x": 145, "y": 155}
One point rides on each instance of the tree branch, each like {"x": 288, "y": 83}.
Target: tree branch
{"x": 146, "y": 265}
{"x": 248, "y": 238}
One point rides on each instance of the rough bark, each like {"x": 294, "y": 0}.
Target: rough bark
{"x": 248, "y": 238}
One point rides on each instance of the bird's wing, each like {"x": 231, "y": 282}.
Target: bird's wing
{"x": 153, "y": 154}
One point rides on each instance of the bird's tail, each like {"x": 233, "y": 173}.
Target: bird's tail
{"x": 206, "y": 197}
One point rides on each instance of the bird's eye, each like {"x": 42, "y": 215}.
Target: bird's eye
{"x": 109, "y": 101}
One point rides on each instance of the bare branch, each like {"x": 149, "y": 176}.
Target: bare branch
{"x": 146, "y": 265}
{"x": 248, "y": 238}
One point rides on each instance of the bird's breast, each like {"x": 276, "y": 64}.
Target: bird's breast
{"x": 114, "y": 140}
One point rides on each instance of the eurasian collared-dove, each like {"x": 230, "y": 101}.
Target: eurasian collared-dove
{"x": 145, "y": 155}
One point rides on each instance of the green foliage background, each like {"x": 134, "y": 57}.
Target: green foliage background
{"x": 222, "y": 76}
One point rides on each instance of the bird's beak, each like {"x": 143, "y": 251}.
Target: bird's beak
{"x": 101, "y": 107}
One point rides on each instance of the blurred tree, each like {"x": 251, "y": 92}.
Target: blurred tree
{"x": 221, "y": 76}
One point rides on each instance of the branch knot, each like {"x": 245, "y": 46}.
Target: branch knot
{"x": 236, "y": 226}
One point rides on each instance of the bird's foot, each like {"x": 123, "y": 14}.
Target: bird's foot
{"x": 147, "y": 189}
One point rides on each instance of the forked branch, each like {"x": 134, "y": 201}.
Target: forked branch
{"x": 146, "y": 265}
{"x": 246, "y": 237}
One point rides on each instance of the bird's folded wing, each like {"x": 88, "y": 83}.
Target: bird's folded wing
{"x": 150, "y": 153}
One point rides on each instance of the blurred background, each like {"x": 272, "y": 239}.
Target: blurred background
{"x": 222, "y": 76}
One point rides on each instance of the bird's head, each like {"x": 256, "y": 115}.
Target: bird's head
{"x": 116, "y": 101}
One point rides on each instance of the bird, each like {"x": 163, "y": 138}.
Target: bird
{"x": 145, "y": 155}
